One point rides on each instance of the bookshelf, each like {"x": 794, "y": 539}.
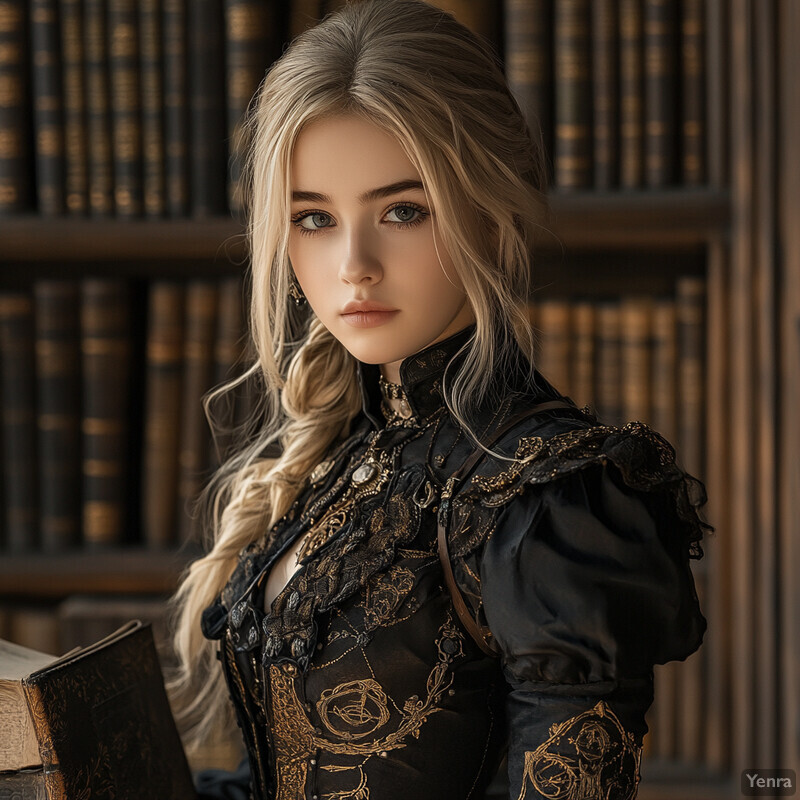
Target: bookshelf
{"x": 736, "y": 229}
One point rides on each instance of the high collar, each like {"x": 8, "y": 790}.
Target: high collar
{"x": 420, "y": 376}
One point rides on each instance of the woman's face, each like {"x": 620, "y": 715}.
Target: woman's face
{"x": 362, "y": 245}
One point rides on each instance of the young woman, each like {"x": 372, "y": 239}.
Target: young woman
{"x": 448, "y": 559}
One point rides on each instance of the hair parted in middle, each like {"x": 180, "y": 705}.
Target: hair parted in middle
{"x": 438, "y": 89}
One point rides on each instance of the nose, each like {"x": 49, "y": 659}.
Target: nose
{"x": 359, "y": 262}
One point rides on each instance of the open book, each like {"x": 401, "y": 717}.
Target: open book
{"x": 93, "y": 723}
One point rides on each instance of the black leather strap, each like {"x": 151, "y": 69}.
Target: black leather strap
{"x": 481, "y": 634}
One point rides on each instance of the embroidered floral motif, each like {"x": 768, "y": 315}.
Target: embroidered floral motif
{"x": 589, "y": 756}
{"x": 356, "y": 717}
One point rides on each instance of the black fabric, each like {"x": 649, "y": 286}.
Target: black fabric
{"x": 359, "y": 680}
{"x": 219, "y": 784}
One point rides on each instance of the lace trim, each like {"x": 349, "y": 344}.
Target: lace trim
{"x": 644, "y": 458}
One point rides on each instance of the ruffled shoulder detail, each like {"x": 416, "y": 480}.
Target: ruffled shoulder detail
{"x": 645, "y": 460}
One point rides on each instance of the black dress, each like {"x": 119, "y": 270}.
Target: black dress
{"x": 361, "y": 682}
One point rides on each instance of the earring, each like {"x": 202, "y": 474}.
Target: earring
{"x": 296, "y": 293}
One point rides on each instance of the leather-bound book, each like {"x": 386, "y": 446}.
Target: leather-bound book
{"x": 661, "y": 718}
{"x": 208, "y": 137}
{"x": 98, "y": 114}
{"x": 529, "y": 66}
{"x": 18, "y": 395}
{"x": 57, "y": 305}
{"x": 228, "y": 353}
{"x": 76, "y": 178}
{"x": 106, "y": 348}
{"x": 573, "y": 95}
{"x": 660, "y": 91}
{"x": 636, "y": 313}
{"x": 605, "y": 85}
{"x": 202, "y": 298}
{"x": 690, "y": 303}
{"x": 126, "y": 124}
{"x": 608, "y": 387}
{"x": 251, "y": 46}
{"x": 176, "y": 108}
{"x": 631, "y": 94}
{"x": 150, "y": 45}
{"x": 304, "y": 14}
{"x": 15, "y": 155}
{"x": 583, "y": 352}
{"x": 554, "y": 324}
{"x": 693, "y": 95}
{"x": 101, "y": 719}
{"x": 48, "y": 122}
{"x": 162, "y": 415}
{"x": 480, "y": 16}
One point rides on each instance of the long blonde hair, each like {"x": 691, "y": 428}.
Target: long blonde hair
{"x": 413, "y": 70}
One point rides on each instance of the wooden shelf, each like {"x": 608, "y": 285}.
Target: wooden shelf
{"x": 680, "y": 219}
{"x": 677, "y": 219}
{"x": 121, "y": 571}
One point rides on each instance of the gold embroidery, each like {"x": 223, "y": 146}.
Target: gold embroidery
{"x": 384, "y": 595}
{"x": 588, "y": 757}
{"x": 356, "y": 716}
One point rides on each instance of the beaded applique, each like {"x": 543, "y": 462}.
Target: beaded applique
{"x": 589, "y": 756}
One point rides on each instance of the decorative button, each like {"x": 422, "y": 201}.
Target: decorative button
{"x": 450, "y": 646}
{"x": 321, "y": 470}
{"x": 451, "y": 692}
{"x": 383, "y": 754}
{"x": 365, "y": 472}
{"x": 313, "y": 762}
{"x": 290, "y": 669}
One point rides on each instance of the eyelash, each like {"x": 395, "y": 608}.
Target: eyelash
{"x": 300, "y": 216}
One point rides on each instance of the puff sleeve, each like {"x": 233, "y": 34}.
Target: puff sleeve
{"x": 585, "y": 584}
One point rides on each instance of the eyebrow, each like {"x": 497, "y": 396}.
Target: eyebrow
{"x": 366, "y": 197}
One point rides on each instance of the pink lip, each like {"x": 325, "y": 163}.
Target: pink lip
{"x": 366, "y": 314}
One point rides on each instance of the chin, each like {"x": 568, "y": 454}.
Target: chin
{"x": 374, "y": 347}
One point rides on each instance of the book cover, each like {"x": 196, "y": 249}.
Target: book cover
{"x": 176, "y": 108}
{"x": 103, "y": 723}
{"x": 151, "y": 53}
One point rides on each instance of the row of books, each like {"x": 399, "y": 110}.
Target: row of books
{"x": 105, "y": 442}
{"x": 635, "y": 357}
{"x": 104, "y": 437}
{"x": 133, "y": 108}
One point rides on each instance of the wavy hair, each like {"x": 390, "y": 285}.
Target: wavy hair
{"x": 436, "y": 87}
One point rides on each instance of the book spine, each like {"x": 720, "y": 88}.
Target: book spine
{"x": 605, "y": 82}
{"x": 478, "y": 15}
{"x": 662, "y": 714}
{"x": 54, "y": 784}
{"x": 251, "y": 44}
{"x": 693, "y": 98}
{"x": 47, "y": 107}
{"x": 635, "y": 316}
{"x": 690, "y": 302}
{"x": 164, "y": 365}
{"x": 529, "y": 68}
{"x": 304, "y": 14}
{"x": 573, "y": 101}
{"x": 105, "y": 345}
{"x": 554, "y": 320}
{"x": 76, "y": 181}
{"x": 227, "y": 364}
{"x": 57, "y": 373}
{"x": 98, "y": 119}
{"x": 207, "y": 102}
{"x": 631, "y": 93}
{"x": 126, "y": 130}
{"x": 609, "y": 401}
{"x": 150, "y": 16}
{"x": 202, "y": 299}
{"x": 15, "y": 167}
{"x": 583, "y": 352}
{"x": 176, "y": 109}
{"x": 19, "y": 424}
{"x": 661, "y": 98}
